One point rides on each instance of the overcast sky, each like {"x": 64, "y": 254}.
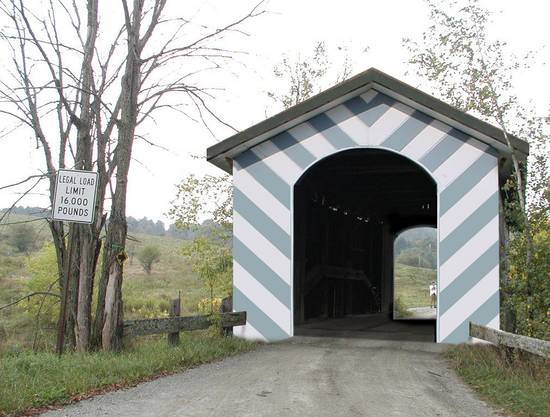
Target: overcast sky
{"x": 291, "y": 27}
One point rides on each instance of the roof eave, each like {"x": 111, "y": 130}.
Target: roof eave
{"x": 222, "y": 153}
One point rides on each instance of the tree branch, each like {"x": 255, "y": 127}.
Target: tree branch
{"x": 32, "y": 294}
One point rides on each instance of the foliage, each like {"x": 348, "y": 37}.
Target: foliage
{"x": 209, "y": 253}
{"x": 208, "y": 305}
{"x": 212, "y": 261}
{"x": 145, "y": 308}
{"x": 148, "y": 256}
{"x": 208, "y": 197}
{"x": 144, "y": 296}
{"x": 475, "y": 73}
{"x": 531, "y": 308}
{"x": 44, "y": 277}
{"x": 42, "y": 379}
{"x": 520, "y": 385}
{"x": 302, "y": 77}
{"x": 24, "y": 238}
{"x": 400, "y": 310}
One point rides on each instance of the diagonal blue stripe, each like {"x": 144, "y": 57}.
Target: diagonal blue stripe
{"x": 470, "y": 277}
{"x": 295, "y": 151}
{"x": 270, "y": 180}
{"x": 257, "y": 318}
{"x": 321, "y": 122}
{"x": 408, "y": 131}
{"x": 370, "y": 112}
{"x": 336, "y": 136}
{"x": 466, "y": 181}
{"x": 261, "y": 272}
{"x": 443, "y": 150}
{"x": 468, "y": 228}
{"x": 261, "y": 222}
{"x": 483, "y": 315}
{"x": 247, "y": 158}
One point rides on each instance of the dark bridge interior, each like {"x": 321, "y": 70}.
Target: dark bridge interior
{"x": 347, "y": 210}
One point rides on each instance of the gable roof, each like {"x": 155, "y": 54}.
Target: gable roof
{"x": 222, "y": 153}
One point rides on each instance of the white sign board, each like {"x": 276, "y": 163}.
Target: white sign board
{"x": 75, "y": 196}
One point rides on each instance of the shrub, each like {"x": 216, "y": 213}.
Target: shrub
{"x": 24, "y": 238}
{"x": 149, "y": 256}
{"x": 42, "y": 268}
{"x": 399, "y": 309}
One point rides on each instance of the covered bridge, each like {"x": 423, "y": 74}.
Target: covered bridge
{"x": 322, "y": 189}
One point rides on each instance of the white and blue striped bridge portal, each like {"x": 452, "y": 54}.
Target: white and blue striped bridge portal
{"x": 322, "y": 189}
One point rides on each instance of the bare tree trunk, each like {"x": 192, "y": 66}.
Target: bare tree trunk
{"x": 87, "y": 243}
{"x": 508, "y": 315}
{"x": 71, "y": 83}
{"x": 116, "y": 233}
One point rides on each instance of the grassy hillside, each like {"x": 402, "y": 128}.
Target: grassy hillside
{"x": 144, "y": 295}
{"x": 149, "y": 295}
{"x": 411, "y": 285}
{"x": 16, "y": 327}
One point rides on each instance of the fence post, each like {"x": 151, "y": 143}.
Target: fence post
{"x": 226, "y": 307}
{"x": 175, "y": 311}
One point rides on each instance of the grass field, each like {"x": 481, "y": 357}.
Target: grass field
{"x": 145, "y": 296}
{"x": 520, "y": 384}
{"x": 37, "y": 379}
{"x": 411, "y": 285}
{"x": 42, "y": 379}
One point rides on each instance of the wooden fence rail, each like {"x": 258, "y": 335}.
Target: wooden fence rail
{"x": 179, "y": 324}
{"x": 499, "y": 337}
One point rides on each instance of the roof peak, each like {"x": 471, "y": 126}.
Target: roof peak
{"x": 223, "y": 152}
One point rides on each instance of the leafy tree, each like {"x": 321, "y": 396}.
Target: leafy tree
{"x": 24, "y": 237}
{"x": 475, "y": 73}
{"x": 42, "y": 268}
{"x": 210, "y": 196}
{"x": 209, "y": 252}
{"x": 43, "y": 291}
{"x": 149, "y": 256}
{"x": 531, "y": 312}
{"x": 212, "y": 261}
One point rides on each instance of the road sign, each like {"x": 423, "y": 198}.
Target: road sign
{"x": 75, "y": 193}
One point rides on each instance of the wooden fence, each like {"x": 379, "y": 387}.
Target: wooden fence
{"x": 174, "y": 325}
{"x": 499, "y": 337}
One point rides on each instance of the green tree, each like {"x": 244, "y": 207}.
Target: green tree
{"x": 209, "y": 253}
{"x": 476, "y": 74}
{"x": 42, "y": 268}
{"x": 23, "y": 237}
{"x": 212, "y": 261}
{"x": 210, "y": 196}
{"x": 147, "y": 257}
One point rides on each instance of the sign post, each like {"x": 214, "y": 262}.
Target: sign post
{"x": 75, "y": 193}
{"x": 74, "y": 201}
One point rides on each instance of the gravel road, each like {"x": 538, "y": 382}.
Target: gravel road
{"x": 306, "y": 376}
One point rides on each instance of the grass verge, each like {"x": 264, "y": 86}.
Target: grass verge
{"x": 519, "y": 383}
{"x": 34, "y": 380}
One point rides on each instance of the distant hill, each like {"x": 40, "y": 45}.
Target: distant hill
{"x": 417, "y": 247}
{"x": 143, "y": 225}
